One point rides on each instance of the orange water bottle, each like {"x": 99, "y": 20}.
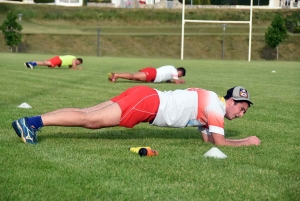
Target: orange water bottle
{"x": 147, "y": 152}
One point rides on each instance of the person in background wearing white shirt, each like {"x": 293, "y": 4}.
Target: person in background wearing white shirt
{"x": 166, "y": 73}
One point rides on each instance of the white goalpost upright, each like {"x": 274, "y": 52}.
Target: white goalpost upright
{"x": 216, "y": 21}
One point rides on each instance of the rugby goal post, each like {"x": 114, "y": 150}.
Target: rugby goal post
{"x": 216, "y": 21}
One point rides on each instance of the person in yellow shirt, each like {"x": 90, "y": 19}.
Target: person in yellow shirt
{"x": 68, "y": 60}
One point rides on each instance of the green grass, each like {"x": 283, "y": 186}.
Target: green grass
{"x": 82, "y": 164}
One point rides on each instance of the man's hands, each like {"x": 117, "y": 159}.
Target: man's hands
{"x": 182, "y": 81}
{"x": 74, "y": 65}
{"x": 219, "y": 139}
{"x": 253, "y": 140}
{"x": 179, "y": 81}
{"x": 79, "y": 68}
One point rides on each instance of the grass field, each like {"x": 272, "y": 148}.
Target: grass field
{"x": 82, "y": 164}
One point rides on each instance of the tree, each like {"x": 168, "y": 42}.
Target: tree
{"x": 276, "y": 33}
{"x": 292, "y": 22}
{"x": 12, "y": 31}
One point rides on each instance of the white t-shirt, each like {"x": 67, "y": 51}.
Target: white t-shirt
{"x": 165, "y": 73}
{"x": 191, "y": 107}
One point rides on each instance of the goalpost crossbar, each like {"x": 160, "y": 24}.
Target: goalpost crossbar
{"x": 218, "y": 22}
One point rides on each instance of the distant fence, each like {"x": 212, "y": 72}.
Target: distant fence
{"x": 175, "y": 4}
{"x": 69, "y": 2}
{"x": 169, "y": 4}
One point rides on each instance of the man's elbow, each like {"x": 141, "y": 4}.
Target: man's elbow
{"x": 219, "y": 142}
{"x": 205, "y": 140}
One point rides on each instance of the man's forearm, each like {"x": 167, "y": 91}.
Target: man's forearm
{"x": 179, "y": 81}
{"x": 235, "y": 143}
{"x": 220, "y": 140}
{"x": 74, "y": 67}
{"x": 227, "y": 142}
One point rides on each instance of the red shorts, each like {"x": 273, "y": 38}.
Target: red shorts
{"x": 55, "y": 61}
{"x": 150, "y": 73}
{"x": 138, "y": 104}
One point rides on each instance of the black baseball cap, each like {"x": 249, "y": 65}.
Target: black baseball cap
{"x": 238, "y": 93}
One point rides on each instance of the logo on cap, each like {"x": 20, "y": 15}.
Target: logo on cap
{"x": 243, "y": 93}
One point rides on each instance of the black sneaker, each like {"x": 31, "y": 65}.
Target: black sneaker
{"x": 28, "y": 65}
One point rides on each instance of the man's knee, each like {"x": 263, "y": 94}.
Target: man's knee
{"x": 91, "y": 124}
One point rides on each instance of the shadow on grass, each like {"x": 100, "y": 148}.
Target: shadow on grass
{"x": 231, "y": 133}
{"x": 136, "y": 133}
{"x": 120, "y": 80}
{"x": 49, "y": 68}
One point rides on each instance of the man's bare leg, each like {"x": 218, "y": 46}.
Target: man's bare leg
{"x": 138, "y": 76}
{"x": 87, "y": 110}
{"x": 95, "y": 118}
{"x": 105, "y": 117}
{"x": 43, "y": 63}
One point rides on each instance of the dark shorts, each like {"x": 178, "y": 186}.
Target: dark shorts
{"x": 138, "y": 104}
{"x": 150, "y": 73}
